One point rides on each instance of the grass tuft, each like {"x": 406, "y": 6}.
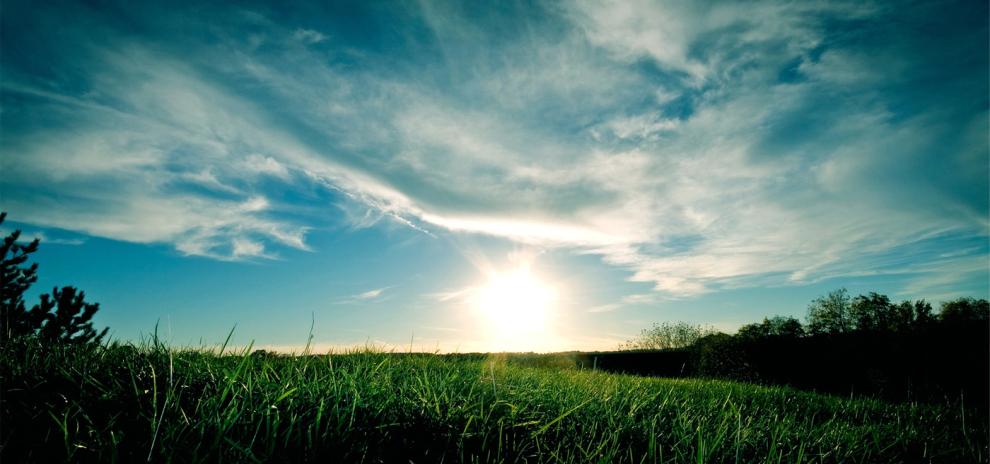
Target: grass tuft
{"x": 121, "y": 403}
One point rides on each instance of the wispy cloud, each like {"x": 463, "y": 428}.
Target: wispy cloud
{"x": 370, "y": 294}
{"x": 31, "y": 235}
{"x": 604, "y": 308}
{"x": 308, "y": 36}
{"x": 699, "y": 147}
{"x": 460, "y": 295}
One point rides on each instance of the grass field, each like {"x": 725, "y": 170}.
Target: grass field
{"x": 128, "y": 404}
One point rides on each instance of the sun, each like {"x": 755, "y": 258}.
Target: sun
{"x": 516, "y": 309}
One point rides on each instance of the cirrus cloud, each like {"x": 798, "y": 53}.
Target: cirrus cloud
{"x": 698, "y": 147}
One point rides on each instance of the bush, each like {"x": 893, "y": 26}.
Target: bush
{"x": 666, "y": 336}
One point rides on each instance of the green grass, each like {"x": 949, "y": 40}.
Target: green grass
{"x": 125, "y": 404}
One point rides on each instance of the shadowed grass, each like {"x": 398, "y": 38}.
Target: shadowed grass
{"x": 125, "y": 404}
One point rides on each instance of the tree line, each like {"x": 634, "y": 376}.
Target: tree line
{"x": 828, "y": 315}
{"x": 867, "y": 344}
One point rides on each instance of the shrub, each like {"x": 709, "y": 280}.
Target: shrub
{"x": 667, "y": 335}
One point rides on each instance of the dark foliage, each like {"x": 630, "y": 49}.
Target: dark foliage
{"x": 875, "y": 312}
{"x": 64, "y": 316}
{"x": 67, "y": 317}
{"x": 666, "y": 363}
{"x": 837, "y": 313}
{"x": 965, "y": 311}
{"x": 15, "y": 278}
{"x": 777, "y": 326}
{"x": 862, "y": 345}
{"x": 723, "y": 356}
{"x": 935, "y": 364}
{"x": 830, "y": 313}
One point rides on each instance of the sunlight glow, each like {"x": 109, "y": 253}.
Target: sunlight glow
{"x": 517, "y": 310}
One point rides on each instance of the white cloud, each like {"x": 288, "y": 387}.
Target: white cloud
{"x": 29, "y": 236}
{"x": 646, "y": 126}
{"x": 370, "y": 294}
{"x": 308, "y": 36}
{"x": 604, "y": 308}
{"x": 554, "y": 139}
{"x": 266, "y": 165}
{"x": 461, "y": 295}
{"x": 245, "y": 247}
{"x": 630, "y": 29}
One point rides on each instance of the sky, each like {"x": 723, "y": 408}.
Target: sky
{"x": 360, "y": 171}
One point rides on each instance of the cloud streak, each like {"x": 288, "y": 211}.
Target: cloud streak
{"x": 699, "y": 148}
{"x": 370, "y": 294}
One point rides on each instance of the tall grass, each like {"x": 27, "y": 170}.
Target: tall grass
{"x": 150, "y": 403}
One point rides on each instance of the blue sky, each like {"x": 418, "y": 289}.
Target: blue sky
{"x": 365, "y": 165}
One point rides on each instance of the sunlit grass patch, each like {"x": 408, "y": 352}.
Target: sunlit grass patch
{"x": 127, "y": 404}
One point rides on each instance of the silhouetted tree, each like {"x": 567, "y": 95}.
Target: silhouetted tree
{"x": 777, "y": 326}
{"x": 63, "y": 316}
{"x": 923, "y": 313}
{"x": 963, "y": 310}
{"x": 71, "y": 320}
{"x": 829, "y": 314}
{"x": 668, "y": 335}
{"x": 872, "y": 312}
{"x": 15, "y": 278}
{"x": 875, "y": 312}
{"x": 906, "y": 315}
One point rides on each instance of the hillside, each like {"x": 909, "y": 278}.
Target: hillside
{"x": 122, "y": 403}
